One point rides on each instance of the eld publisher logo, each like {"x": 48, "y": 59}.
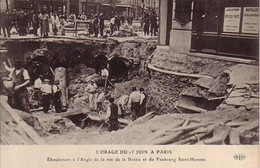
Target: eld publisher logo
{"x": 239, "y": 157}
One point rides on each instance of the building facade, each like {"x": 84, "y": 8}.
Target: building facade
{"x": 221, "y": 27}
{"x": 128, "y": 8}
{"x": 49, "y": 5}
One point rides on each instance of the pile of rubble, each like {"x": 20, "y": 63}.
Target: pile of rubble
{"x": 178, "y": 129}
{"x": 136, "y": 52}
{"x": 125, "y": 31}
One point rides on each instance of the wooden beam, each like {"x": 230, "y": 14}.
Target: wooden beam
{"x": 26, "y": 128}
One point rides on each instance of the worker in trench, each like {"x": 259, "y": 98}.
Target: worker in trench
{"x": 134, "y": 103}
{"x": 112, "y": 116}
{"x": 37, "y": 94}
{"x": 18, "y": 80}
{"x": 56, "y": 98}
{"x": 101, "y": 99}
{"x": 92, "y": 95}
{"x": 104, "y": 76}
{"x": 51, "y": 94}
{"x": 122, "y": 105}
{"x": 46, "y": 90}
{"x": 142, "y": 102}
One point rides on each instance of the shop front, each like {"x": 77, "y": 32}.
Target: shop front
{"x": 220, "y": 27}
{"x": 226, "y": 27}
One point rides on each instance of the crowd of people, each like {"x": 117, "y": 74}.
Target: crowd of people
{"x": 135, "y": 102}
{"x": 149, "y": 24}
{"x": 45, "y": 91}
{"x": 30, "y": 21}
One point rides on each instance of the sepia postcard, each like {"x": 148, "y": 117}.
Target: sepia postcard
{"x": 129, "y": 83}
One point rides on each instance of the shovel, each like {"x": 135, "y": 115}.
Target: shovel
{"x": 98, "y": 131}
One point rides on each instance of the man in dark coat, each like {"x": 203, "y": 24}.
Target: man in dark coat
{"x": 146, "y": 23}
{"x": 18, "y": 98}
{"x": 95, "y": 25}
{"x": 5, "y": 23}
{"x": 35, "y": 23}
{"x": 112, "y": 116}
{"x": 117, "y": 23}
{"x": 22, "y": 22}
{"x": 101, "y": 24}
{"x": 153, "y": 21}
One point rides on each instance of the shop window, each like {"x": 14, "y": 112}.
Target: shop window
{"x": 183, "y": 11}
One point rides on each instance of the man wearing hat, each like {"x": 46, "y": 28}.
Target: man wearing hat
{"x": 92, "y": 94}
{"x": 37, "y": 88}
{"x": 56, "y": 91}
{"x": 95, "y": 25}
{"x": 101, "y": 24}
{"x": 18, "y": 98}
{"x": 46, "y": 90}
{"x": 134, "y": 103}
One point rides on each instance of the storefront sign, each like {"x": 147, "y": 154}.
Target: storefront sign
{"x": 232, "y": 19}
{"x": 250, "y": 22}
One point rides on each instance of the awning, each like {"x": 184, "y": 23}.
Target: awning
{"x": 124, "y": 6}
{"x": 104, "y": 4}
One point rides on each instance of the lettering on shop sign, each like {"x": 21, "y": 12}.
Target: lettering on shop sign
{"x": 232, "y": 19}
{"x": 250, "y": 22}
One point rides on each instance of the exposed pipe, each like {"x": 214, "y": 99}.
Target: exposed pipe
{"x": 150, "y": 66}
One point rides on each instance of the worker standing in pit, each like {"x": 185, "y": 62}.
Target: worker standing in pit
{"x": 104, "y": 76}
{"x": 18, "y": 97}
{"x": 37, "y": 88}
{"x": 101, "y": 24}
{"x": 46, "y": 90}
{"x": 122, "y": 105}
{"x": 92, "y": 95}
{"x": 100, "y": 100}
{"x": 112, "y": 116}
{"x": 134, "y": 103}
{"x": 142, "y": 102}
{"x": 57, "y": 96}
{"x": 96, "y": 25}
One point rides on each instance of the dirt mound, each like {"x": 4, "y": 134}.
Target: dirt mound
{"x": 189, "y": 64}
{"x": 56, "y": 125}
{"x": 136, "y": 52}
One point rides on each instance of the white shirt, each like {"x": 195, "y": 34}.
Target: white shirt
{"x": 91, "y": 88}
{"x": 134, "y": 97}
{"x": 112, "y": 21}
{"x": 25, "y": 73}
{"x": 13, "y": 70}
{"x": 55, "y": 21}
{"x": 46, "y": 88}
{"x": 55, "y": 88}
{"x": 142, "y": 98}
{"x": 104, "y": 72}
{"x": 101, "y": 97}
{"x": 123, "y": 100}
{"x": 108, "y": 111}
{"x": 38, "y": 83}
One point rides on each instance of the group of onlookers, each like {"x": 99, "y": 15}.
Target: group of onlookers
{"x": 25, "y": 21}
{"x": 149, "y": 23}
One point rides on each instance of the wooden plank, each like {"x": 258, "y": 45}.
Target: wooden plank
{"x": 69, "y": 113}
{"x": 192, "y": 108}
{"x": 234, "y": 137}
{"x": 28, "y": 130}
